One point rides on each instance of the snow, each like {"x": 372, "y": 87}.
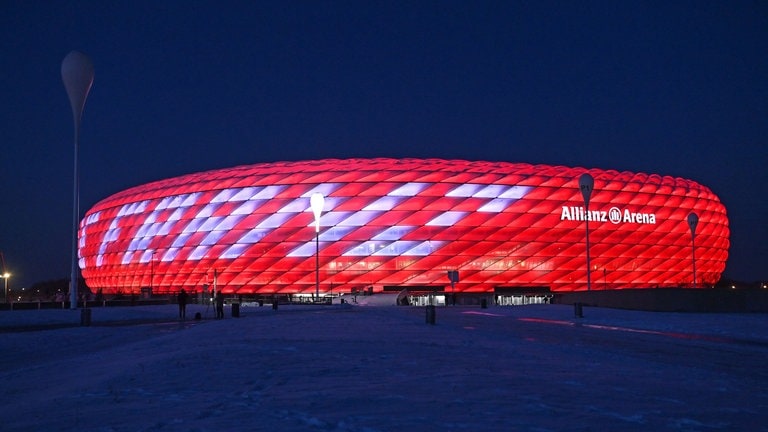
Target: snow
{"x": 372, "y": 367}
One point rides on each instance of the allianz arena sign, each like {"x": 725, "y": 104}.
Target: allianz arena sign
{"x": 614, "y": 215}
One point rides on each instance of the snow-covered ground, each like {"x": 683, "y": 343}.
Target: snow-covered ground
{"x": 382, "y": 368}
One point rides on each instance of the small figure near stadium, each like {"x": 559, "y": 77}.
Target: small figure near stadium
{"x": 182, "y": 300}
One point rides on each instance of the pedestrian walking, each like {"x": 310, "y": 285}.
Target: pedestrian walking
{"x": 182, "y": 300}
{"x": 219, "y": 305}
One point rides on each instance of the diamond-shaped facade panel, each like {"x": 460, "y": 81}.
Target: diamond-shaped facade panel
{"x": 400, "y": 223}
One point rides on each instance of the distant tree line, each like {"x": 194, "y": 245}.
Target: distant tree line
{"x": 50, "y": 290}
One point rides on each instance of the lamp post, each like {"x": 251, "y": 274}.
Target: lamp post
{"x": 77, "y": 74}
{"x": 693, "y": 220}
{"x": 151, "y": 271}
{"x": 453, "y": 277}
{"x": 586, "y": 184}
{"x": 6, "y": 275}
{"x": 316, "y": 202}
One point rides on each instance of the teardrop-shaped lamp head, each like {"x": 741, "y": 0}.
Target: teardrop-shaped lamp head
{"x": 586, "y": 184}
{"x": 77, "y": 74}
{"x": 693, "y": 220}
{"x": 316, "y": 201}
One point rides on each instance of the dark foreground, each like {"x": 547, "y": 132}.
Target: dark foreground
{"x": 364, "y": 368}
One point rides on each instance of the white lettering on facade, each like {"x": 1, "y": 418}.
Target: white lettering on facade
{"x": 614, "y": 215}
{"x": 639, "y": 218}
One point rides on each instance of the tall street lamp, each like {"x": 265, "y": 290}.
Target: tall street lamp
{"x": 587, "y": 184}
{"x": 151, "y": 271}
{"x": 693, "y": 220}
{"x": 77, "y": 74}
{"x": 316, "y": 201}
{"x": 6, "y": 275}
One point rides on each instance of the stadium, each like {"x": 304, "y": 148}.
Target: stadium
{"x": 395, "y": 225}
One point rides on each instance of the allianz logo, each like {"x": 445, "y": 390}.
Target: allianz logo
{"x": 614, "y": 215}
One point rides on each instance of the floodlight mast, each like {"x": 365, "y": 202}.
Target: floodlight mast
{"x": 77, "y": 74}
{"x": 587, "y": 184}
{"x": 316, "y": 202}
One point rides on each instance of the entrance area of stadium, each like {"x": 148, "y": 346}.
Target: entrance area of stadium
{"x": 502, "y": 296}
{"x": 519, "y": 296}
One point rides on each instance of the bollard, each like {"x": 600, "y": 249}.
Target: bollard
{"x": 235, "y": 310}
{"x": 274, "y": 305}
{"x": 577, "y": 310}
{"x": 430, "y": 314}
{"x": 261, "y": 303}
{"x": 483, "y": 304}
{"x": 85, "y": 317}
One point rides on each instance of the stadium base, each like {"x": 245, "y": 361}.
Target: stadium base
{"x": 672, "y": 299}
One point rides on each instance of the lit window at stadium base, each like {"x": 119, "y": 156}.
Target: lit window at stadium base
{"x": 397, "y": 223}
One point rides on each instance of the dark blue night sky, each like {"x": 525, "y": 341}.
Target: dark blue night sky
{"x": 674, "y": 88}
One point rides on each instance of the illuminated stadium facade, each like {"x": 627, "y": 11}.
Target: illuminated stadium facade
{"x": 391, "y": 224}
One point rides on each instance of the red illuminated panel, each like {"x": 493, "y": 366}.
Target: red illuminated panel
{"x": 406, "y": 222}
